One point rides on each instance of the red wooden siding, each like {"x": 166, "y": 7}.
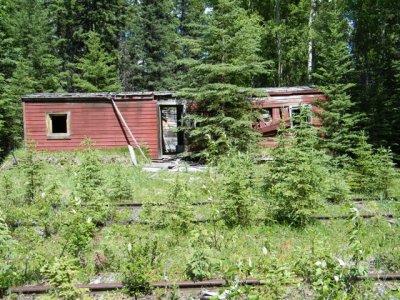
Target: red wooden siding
{"x": 97, "y": 120}
{"x": 282, "y": 100}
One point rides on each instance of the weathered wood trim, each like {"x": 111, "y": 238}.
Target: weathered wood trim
{"x": 49, "y": 126}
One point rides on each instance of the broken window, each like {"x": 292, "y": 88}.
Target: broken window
{"x": 267, "y": 116}
{"x": 295, "y": 115}
{"x": 58, "y": 125}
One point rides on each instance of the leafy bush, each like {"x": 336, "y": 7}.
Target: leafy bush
{"x": 77, "y": 231}
{"x": 135, "y": 274}
{"x": 333, "y": 278}
{"x": 199, "y": 264}
{"x": 236, "y": 188}
{"x": 276, "y": 277}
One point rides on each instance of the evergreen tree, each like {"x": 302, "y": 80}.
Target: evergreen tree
{"x": 150, "y": 46}
{"x": 28, "y": 58}
{"x": 11, "y": 128}
{"x": 285, "y": 40}
{"x": 230, "y": 62}
{"x": 74, "y": 20}
{"x": 191, "y": 16}
{"x": 375, "y": 45}
{"x": 9, "y": 49}
{"x": 35, "y": 38}
{"x": 96, "y": 69}
{"x": 295, "y": 183}
{"x": 334, "y": 66}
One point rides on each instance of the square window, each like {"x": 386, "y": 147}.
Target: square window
{"x": 295, "y": 113}
{"x": 58, "y": 125}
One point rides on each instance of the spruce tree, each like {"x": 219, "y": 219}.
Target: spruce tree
{"x": 191, "y": 17}
{"x": 28, "y": 63}
{"x": 150, "y": 46}
{"x": 221, "y": 80}
{"x": 295, "y": 183}
{"x": 334, "y": 67}
{"x": 74, "y": 20}
{"x": 11, "y": 128}
{"x": 96, "y": 69}
{"x": 35, "y": 38}
{"x": 375, "y": 44}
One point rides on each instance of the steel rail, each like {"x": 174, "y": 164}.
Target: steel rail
{"x": 102, "y": 287}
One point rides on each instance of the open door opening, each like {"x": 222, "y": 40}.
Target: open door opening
{"x": 172, "y": 140}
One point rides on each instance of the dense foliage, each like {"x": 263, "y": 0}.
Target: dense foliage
{"x": 239, "y": 219}
{"x": 172, "y": 44}
{"x": 253, "y": 213}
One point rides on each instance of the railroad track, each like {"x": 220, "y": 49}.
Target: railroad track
{"x": 182, "y": 285}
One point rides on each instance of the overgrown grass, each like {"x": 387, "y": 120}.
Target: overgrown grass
{"x": 105, "y": 252}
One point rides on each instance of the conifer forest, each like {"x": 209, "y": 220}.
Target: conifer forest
{"x": 315, "y": 217}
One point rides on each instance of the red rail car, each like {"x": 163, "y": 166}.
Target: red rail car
{"x": 60, "y": 121}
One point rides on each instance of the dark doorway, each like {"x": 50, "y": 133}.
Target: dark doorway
{"x": 171, "y": 137}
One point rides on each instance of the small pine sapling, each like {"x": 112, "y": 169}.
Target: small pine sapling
{"x": 33, "y": 173}
{"x": 373, "y": 170}
{"x": 236, "y": 189}
{"x": 120, "y": 186}
{"x": 179, "y": 209}
{"x": 48, "y": 203}
{"x": 7, "y": 189}
{"x": 61, "y": 275}
{"x": 88, "y": 185}
{"x": 176, "y": 212}
{"x": 294, "y": 183}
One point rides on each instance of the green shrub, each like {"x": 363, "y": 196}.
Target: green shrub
{"x": 135, "y": 273}
{"x": 61, "y": 275}
{"x": 295, "y": 180}
{"x": 7, "y": 267}
{"x": 236, "y": 188}
{"x": 276, "y": 278}
{"x": 333, "y": 278}
{"x": 234, "y": 273}
{"x": 199, "y": 263}
{"x": 77, "y": 232}
{"x": 32, "y": 168}
{"x": 373, "y": 171}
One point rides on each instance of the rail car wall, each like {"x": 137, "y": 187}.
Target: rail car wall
{"x": 96, "y": 120}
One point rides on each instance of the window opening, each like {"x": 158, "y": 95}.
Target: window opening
{"x": 59, "y": 124}
{"x": 267, "y": 116}
{"x": 295, "y": 116}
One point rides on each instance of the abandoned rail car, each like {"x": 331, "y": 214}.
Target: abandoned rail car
{"x": 60, "y": 121}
